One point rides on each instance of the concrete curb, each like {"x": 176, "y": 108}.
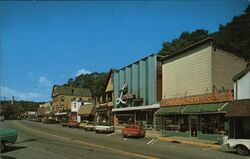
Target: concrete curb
{"x": 172, "y": 139}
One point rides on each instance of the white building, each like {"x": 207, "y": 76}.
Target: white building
{"x": 242, "y": 85}
{"x": 75, "y": 106}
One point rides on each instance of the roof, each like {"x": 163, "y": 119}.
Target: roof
{"x": 88, "y": 109}
{"x": 109, "y": 76}
{"x": 239, "y": 108}
{"x": 188, "y": 48}
{"x": 241, "y": 74}
{"x": 66, "y": 90}
{"x": 158, "y": 58}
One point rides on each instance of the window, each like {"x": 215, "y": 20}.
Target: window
{"x": 109, "y": 96}
{"x": 176, "y": 123}
{"x": 62, "y": 99}
{"x": 212, "y": 124}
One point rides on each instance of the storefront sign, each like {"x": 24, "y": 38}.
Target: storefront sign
{"x": 125, "y": 95}
{"x": 208, "y": 98}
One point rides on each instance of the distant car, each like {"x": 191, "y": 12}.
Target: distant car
{"x": 242, "y": 146}
{"x": 51, "y": 121}
{"x": 73, "y": 124}
{"x": 7, "y": 136}
{"x": 133, "y": 130}
{"x": 89, "y": 126}
{"x": 82, "y": 124}
{"x": 104, "y": 127}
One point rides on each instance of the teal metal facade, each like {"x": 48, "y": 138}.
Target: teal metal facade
{"x": 141, "y": 79}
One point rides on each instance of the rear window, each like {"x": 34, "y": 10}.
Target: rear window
{"x": 132, "y": 126}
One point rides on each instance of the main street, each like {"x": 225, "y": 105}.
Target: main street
{"x": 52, "y": 141}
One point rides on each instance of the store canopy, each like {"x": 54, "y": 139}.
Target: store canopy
{"x": 145, "y": 107}
{"x": 239, "y": 108}
{"x": 194, "y": 109}
{"x": 88, "y": 109}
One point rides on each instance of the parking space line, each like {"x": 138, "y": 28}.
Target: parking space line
{"x": 150, "y": 141}
{"x": 111, "y": 134}
{"x": 154, "y": 142}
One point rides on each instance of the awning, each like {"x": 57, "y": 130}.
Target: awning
{"x": 88, "y": 109}
{"x": 145, "y": 107}
{"x": 194, "y": 109}
{"x": 239, "y": 108}
{"x": 62, "y": 113}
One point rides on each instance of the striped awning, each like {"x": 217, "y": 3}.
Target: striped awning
{"x": 194, "y": 109}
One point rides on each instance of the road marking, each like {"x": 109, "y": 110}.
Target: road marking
{"x": 89, "y": 144}
{"x": 151, "y": 141}
{"x": 111, "y": 134}
{"x": 124, "y": 139}
{"x": 154, "y": 142}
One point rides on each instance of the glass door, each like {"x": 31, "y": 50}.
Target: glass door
{"x": 193, "y": 126}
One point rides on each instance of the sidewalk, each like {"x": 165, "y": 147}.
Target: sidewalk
{"x": 191, "y": 141}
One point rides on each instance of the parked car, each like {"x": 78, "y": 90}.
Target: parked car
{"x": 89, "y": 126}
{"x": 82, "y": 124}
{"x": 7, "y": 136}
{"x": 73, "y": 124}
{"x": 51, "y": 121}
{"x": 104, "y": 127}
{"x": 242, "y": 146}
{"x": 133, "y": 130}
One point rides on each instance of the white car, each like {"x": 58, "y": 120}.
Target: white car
{"x": 242, "y": 146}
{"x": 104, "y": 127}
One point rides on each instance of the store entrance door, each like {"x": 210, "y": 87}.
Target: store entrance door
{"x": 193, "y": 126}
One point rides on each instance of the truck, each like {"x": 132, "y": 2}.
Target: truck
{"x": 242, "y": 146}
{"x": 7, "y": 136}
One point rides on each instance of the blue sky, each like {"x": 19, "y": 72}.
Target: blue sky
{"x": 46, "y": 43}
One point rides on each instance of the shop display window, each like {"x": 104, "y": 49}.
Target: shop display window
{"x": 212, "y": 124}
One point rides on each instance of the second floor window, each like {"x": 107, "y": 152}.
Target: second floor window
{"x": 110, "y": 96}
{"x": 62, "y": 99}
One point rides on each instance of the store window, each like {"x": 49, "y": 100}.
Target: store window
{"x": 176, "y": 123}
{"x": 125, "y": 119}
{"x": 212, "y": 124}
{"x": 242, "y": 128}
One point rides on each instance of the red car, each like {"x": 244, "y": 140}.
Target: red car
{"x": 133, "y": 130}
{"x": 72, "y": 124}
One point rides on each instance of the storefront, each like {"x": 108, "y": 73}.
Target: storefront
{"x": 202, "y": 117}
{"x": 239, "y": 119}
{"x": 87, "y": 112}
{"x": 62, "y": 116}
{"x": 137, "y": 92}
{"x": 140, "y": 115}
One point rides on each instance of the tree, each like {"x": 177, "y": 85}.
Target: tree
{"x": 233, "y": 37}
{"x": 184, "y": 40}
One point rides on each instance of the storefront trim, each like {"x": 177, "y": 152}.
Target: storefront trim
{"x": 137, "y": 108}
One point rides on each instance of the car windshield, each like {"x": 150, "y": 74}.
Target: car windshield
{"x": 104, "y": 124}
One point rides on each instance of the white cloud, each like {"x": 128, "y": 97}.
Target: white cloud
{"x": 8, "y": 93}
{"x": 83, "y": 71}
{"x": 43, "y": 81}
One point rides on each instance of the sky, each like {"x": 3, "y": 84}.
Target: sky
{"x": 43, "y": 43}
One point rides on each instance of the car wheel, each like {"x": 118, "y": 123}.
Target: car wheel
{"x": 242, "y": 150}
{"x": 2, "y": 147}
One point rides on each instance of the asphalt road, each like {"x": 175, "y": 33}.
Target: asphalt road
{"x": 52, "y": 141}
